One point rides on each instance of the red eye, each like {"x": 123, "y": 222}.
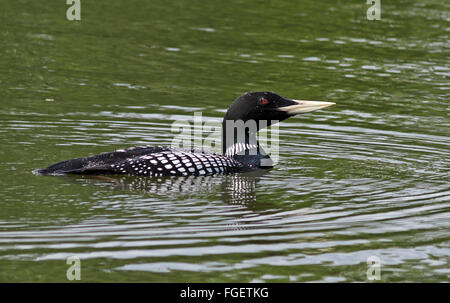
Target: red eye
{"x": 264, "y": 101}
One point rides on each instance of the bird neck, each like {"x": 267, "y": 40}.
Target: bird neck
{"x": 242, "y": 144}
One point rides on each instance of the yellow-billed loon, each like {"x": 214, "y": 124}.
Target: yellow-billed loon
{"x": 240, "y": 153}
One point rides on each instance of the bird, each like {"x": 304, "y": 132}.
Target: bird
{"x": 241, "y": 151}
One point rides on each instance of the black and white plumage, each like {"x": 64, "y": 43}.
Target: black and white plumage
{"x": 240, "y": 153}
{"x": 150, "y": 161}
{"x": 178, "y": 162}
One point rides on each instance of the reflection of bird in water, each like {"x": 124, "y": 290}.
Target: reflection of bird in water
{"x": 239, "y": 188}
{"x": 241, "y": 152}
{"x": 232, "y": 189}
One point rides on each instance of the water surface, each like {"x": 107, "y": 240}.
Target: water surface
{"x": 366, "y": 177}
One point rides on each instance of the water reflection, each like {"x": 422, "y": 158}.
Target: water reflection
{"x": 233, "y": 188}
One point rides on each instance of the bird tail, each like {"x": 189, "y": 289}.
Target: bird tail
{"x": 74, "y": 166}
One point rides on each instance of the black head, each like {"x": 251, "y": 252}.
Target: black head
{"x": 270, "y": 107}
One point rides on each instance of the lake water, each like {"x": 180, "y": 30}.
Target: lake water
{"x": 368, "y": 177}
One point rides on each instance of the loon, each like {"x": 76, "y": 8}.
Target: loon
{"x": 241, "y": 152}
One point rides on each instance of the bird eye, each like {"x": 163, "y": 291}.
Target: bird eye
{"x": 263, "y": 101}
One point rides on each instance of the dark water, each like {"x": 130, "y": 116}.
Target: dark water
{"x": 366, "y": 177}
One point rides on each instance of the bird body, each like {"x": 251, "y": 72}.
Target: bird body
{"x": 150, "y": 161}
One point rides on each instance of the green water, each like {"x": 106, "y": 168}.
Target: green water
{"x": 366, "y": 177}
